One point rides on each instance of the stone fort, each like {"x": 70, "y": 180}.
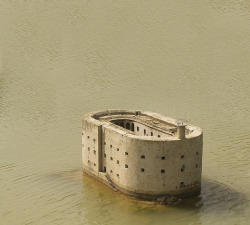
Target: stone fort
{"x": 143, "y": 154}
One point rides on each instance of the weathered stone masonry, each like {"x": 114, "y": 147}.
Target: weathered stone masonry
{"x": 143, "y": 154}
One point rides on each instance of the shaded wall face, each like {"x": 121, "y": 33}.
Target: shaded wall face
{"x": 90, "y": 150}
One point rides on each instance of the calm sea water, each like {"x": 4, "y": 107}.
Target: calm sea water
{"x": 60, "y": 59}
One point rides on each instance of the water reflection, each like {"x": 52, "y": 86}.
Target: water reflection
{"x": 100, "y": 205}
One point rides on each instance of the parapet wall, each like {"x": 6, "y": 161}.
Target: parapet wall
{"x": 138, "y": 163}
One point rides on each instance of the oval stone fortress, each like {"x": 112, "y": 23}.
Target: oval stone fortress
{"x": 143, "y": 154}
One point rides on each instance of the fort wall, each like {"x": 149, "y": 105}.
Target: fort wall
{"x": 139, "y": 159}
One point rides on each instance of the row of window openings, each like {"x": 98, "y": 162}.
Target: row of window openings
{"x": 94, "y": 151}
{"x": 142, "y": 156}
{"x": 132, "y": 128}
{"x": 111, "y": 146}
{"x": 128, "y": 126}
{"x": 126, "y": 166}
{"x": 145, "y": 133}
{"x": 89, "y": 137}
{"x": 142, "y": 169}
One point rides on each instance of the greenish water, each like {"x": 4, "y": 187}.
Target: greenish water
{"x": 60, "y": 59}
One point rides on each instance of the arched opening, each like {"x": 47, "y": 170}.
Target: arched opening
{"x": 136, "y": 126}
{"x": 132, "y": 127}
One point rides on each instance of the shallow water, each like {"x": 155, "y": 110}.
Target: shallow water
{"x": 60, "y": 59}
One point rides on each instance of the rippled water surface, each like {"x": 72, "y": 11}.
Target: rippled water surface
{"x": 60, "y": 59}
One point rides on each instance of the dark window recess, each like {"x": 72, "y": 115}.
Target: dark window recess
{"x": 88, "y": 161}
{"x": 104, "y": 169}
{"x": 182, "y": 184}
{"x": 152, "y": 134}
{"x": 104, "y": 143}
{"x": 117, "y": 161}
{"x": 94, "y": 151}
{"x": 132, "y": 127}
{"x": 182, "y": 156}
{"x": 128, "y": 126}
{"x": 105, "y": 155}
{"x": 88, "y": 137}
{"x": 159, "y": 136}
{"x": 111, "y": 146}
{"x": 117, "y": 149}
{"x": 137, "y": 128}
{"x": 111, "y": 171}
{"x": 88, "y": 148}
{"x": 126, "y": 166}
{"x": 182, "y": 168}
{"x": 162, "y": 171}
{"x": 82, "y": 133}
{"x": 142, "y": 156}
{"x": 94, "y": 139}
{"x": 142, "y": 169}
{"x": 111, "y": 158}
{"x": 196, "y": 166}
{"x": 94, "y": 164}
{"x": 126, "y": 153}
{"x": 144, "y": 132}
{"x": 197, "y": 153}
{"x": 122, "y": 124}
{"x": 117, "y": 175}
{"x": 163, "y": 158}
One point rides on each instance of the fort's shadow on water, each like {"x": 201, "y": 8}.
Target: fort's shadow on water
{"x": 215, "y": 194}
